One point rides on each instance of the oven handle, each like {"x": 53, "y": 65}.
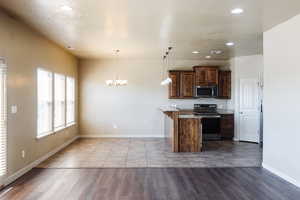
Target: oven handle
{"x": 213, "y": 116}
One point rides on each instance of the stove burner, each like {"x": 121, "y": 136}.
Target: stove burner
{"x": 205, "y": 109}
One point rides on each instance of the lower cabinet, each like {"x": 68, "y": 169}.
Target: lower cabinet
{"x": 189, "y": 135}
{"x": 227, "y": 126}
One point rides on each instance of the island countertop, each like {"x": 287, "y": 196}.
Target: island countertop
{"x": 183, "y": 129}
{"x": 169, "y": 109}
{"x": 188, "y": 113}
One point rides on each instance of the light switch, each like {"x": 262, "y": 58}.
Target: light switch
{"x": 14, "y": 109}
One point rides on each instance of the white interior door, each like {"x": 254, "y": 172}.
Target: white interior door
{"x": 249, "y": 115}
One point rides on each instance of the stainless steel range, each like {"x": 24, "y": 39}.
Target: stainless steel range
{"x": 205, "y": 109}
{"x": 210, "y": 120}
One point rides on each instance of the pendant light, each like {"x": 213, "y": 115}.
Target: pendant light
{"x": 116, "y": 82}
{"x": 166, "y": 59}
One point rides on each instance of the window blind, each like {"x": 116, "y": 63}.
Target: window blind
{"x": 60, "y": 101}
{"x": 70, "y": 100}
{"x": 45, "y": 102}
{"x": 3, "y": 120}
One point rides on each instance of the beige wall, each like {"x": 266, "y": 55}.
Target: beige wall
{"x": 130, "y": 111}
{"x": 24, "y": 50}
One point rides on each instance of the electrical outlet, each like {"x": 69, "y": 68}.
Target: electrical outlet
{"x": 23, "y": 153}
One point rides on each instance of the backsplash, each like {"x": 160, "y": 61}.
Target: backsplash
{"x": 189, "y": 104}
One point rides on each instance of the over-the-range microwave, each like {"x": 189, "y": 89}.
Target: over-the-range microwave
{"x": 206, "y": 91}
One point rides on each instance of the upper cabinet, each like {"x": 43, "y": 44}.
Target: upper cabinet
{"x": 187, "y": 84}
{"x": 184, "y": 82}
{"x": 182, "y": 86}
{"x": 174, "y": 86}
{"x": 224, "y": 86}
{"x": 200, "y": 76}
{"x": 206, "y": 75}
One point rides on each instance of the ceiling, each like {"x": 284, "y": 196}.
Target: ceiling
{"x": 278, "y": 11}
{"x": 143, "y": 28}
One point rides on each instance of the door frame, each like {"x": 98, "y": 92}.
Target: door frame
{"x": 237, "y": 107}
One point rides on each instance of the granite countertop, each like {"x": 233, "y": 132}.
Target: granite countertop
{"x": 168, "y": 109}
{"x": 195, "y": 116}
{"x": 225, "y": 111}
{"x": 220, "y": 112}
{"x": 187, "y": 113}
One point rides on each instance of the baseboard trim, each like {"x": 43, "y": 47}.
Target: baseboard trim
{"x": 120, "y": 136}
{"x": 35, "y": 163}
{"x": 281, "y": 175}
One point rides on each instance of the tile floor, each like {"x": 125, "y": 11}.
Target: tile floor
{"x": 151, "y": 152}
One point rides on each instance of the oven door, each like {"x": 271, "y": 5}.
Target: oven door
{"x": 211, "y": 128}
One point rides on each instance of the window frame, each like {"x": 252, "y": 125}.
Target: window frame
{"x": 4, "y": 161}
{"x": 50, "y": 132}
{"x": 54, "y": 129}
{"x": 74, "y": 106}
{"x": 61, "y": 126}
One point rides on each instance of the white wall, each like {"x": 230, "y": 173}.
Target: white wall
{"x": 130, "y": 111}
{"x": 282, "y": 100}
{"x": 242, "y": 67}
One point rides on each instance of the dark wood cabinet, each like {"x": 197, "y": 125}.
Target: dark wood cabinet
{"x": 206, "y": 75}
{"x": 227, "y": 126}
{"x": 187, "y": 84}
{"x": 212, "y": 76}
{"x": 200, "y": 76}
{"x": 224, "y": 86}
{"x": 174, "y": 87}
{"x": 183, "y": 84}
{"x": 189, "y": 135}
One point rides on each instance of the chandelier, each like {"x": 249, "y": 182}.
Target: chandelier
{"x": 116, "y": 82}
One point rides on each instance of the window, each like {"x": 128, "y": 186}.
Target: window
{"x": 60, "y": 101}
{"x": 45, "y": 102}
{"x": 56, "y": 102}
{"x": 3, "y": 120}
{"x": 70, "y": 100}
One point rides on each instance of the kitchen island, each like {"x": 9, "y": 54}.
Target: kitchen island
{"x": 184, "y": 132}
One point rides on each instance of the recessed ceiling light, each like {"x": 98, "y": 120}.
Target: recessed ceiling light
{"x": 207, "y": 57}
{"x": 230, "y": 44}
{"x": 66, "y": 8}
{"x": 237, "y": 11}
{"x": 216, "y": 52}
{"x": 195, "y": 52}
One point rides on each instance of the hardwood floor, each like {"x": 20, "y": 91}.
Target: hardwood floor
{"x": 151, "y": 184}
{"x": 152, "y": 152}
